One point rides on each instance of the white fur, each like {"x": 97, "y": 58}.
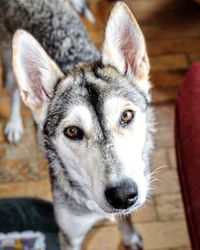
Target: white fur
{"x": 77, "y": 225}
{"x": 83, "y": 159}
{"x": 131, "y": 240}
{"x": 124, "y": 45}
{"x": 79, "y": 5}
{"x": 33, "y": 67}
{"x": 128, "y": 142}
{"x": 14, "y": 126}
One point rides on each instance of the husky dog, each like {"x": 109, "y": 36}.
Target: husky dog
{"x": 92, "y": 113}
{"x": 14, "y": 127}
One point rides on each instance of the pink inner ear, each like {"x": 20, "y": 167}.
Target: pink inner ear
{"x": 128, "y": 50}
{"x": 34, "y": 76}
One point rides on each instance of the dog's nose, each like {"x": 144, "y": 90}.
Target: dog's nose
{"x": 123, "y": 195}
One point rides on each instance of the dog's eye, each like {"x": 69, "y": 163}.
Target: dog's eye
{"x": 73, "y": 133}
{"x": 127, "y": 117}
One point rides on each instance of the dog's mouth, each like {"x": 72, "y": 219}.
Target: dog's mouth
{"x": 119, "y": 212}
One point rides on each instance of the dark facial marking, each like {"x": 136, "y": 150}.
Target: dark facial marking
{"x": 56, "y": 111}
{"x": 95, "y": 100}
{"x": 93, "y": 94}
{"x": 96, "y": 103}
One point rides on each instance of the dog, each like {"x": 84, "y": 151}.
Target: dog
{"x": 92, "y": 112}
{"x": 14, "y": 128}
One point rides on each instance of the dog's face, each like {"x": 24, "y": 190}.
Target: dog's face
{"x": 97, "y": 125}
{"x": 94, "y": 119}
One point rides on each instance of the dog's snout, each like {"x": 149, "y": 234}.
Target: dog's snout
{"x": 123, "y": 195}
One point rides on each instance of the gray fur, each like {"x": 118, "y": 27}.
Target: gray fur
{"x": 87, "y": 82}
{"x": 56, "y": 26}
{"x": 85, "y": 78}
{"x": 84, "y": 88}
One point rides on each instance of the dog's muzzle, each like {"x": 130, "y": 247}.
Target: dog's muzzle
{"x": 122, "y": 195}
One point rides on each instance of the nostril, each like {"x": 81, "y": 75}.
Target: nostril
{"x": 132, "y": 198}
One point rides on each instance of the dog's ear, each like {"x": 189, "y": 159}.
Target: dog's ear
{"x": 35, "y": 71}
{"x": 124, "y": 45}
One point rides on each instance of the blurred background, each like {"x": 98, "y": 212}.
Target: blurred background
{"x": 172, "y": 31}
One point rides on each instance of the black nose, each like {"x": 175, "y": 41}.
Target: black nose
{"x": 123, "y": 195}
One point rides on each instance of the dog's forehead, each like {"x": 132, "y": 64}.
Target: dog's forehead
{"x": 97, "y": 83}
{"x": 91, "y": 86}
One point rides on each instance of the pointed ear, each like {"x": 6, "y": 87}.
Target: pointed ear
{"x": 36, "y": 73}
{"x": 124, "y": 45}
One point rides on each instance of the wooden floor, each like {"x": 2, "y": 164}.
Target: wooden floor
{"x": 172, "y": 30}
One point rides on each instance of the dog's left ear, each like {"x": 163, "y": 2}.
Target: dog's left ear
{"x": 124, "y": 45}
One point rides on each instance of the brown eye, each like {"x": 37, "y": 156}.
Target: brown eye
{"x": 127, "y": 117}
{"x": 74, "y": 133}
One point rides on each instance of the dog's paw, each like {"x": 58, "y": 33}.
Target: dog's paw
{"x": 134, "y": 242}
{"x": 135, "y": 247}
{"x": 14, "y": 130}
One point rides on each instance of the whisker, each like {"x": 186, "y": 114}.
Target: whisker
{"x": 158, "y": 169}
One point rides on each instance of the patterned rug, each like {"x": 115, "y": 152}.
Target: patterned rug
{"x": 24, "y": 161}
{"x": 22, "y": 241}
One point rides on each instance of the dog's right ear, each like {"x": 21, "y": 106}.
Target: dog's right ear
{"x": 35, "y": 71}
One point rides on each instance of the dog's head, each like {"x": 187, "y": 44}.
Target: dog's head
{"x": 93, "y": 121}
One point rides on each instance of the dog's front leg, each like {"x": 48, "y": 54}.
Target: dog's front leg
{"x": 73, "y": 225}
{"x": 69, "y": 244}
{"x": 14, "y": 126}
{"x": 130, "y": 236}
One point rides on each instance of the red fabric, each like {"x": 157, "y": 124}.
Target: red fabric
{"x": 187, "y": 133}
